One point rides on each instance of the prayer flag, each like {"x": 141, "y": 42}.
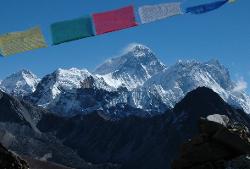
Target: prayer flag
{"x": 206, "y": 7}
{"x": 17, "y": 42}
{"x": 152, "y": 13}
{"x": 1, "y": 52}
{"x": 72, "y": 30}
{"x": 114, "y": 20}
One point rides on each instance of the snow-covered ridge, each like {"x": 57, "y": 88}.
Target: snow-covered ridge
{"x": 68, "y": 79}
{"x": 172, "y": 84}
{"x": 64, "y": 80}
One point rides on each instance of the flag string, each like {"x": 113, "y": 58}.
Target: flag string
{"x": 97, "y": 24}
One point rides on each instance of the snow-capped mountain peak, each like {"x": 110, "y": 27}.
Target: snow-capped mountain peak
{"x": 137, "y": 64}
{"x": 138, "y": 50}
{"x": 20, "y": 83}
{"x": 62, "y": 81}
{"x": 70, "y": 78}
{"x": 172, "y": 84}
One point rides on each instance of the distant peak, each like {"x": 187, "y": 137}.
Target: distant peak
{"x": 20, "y": 83}
{"x": 60, "y": 71}
{"x": 214, "y": 62}
{"x": 21, "y": 74}
{"x": 24, "y": 71}
{"x": 137, "y": 49}
{"x": 188, "y": 63}
{"x": 133, "y": 55}
{"x": 136, "y": 46}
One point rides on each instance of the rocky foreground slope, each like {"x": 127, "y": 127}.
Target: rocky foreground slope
{"x": 221, "y": 144}
{"x": 96, "y": 141}
{"x": 136, "y": 142}
{"x": 10, "y": 161}
{"x": 19, "y": 132}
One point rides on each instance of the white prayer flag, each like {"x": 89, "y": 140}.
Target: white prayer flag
{"x": 152, "y": 13}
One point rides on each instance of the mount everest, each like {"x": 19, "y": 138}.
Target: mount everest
{"x": 134, "y": 83}
{"x": 131, "y": 69}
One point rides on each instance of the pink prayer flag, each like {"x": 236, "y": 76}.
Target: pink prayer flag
{"x": 114, "y": 20}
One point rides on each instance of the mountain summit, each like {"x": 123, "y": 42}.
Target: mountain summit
{"x": 21, "y": 83}
{"x": 131, "y": 69}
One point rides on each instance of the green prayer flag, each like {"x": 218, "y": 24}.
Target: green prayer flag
{"x": 70, "y": 30}
{"x": 1, "y": 52}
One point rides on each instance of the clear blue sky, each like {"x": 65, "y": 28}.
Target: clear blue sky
{"x": 223, "y": 34}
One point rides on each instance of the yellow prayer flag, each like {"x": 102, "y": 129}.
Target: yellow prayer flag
{"x": 17, "y": 42}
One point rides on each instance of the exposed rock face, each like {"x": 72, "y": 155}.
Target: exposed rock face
{"x": 216, "y": 147}
{"x": 10, "y": 161}
{"x": 37, "y": 164}
{"x": 41, "y": 164}
{"x": 88, "y": 82}
{"x": 242, "y": 162}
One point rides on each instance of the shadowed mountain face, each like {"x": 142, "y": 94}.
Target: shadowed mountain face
{"x": 132, "y": 142}
{"x": 201, "y": 103}
{"x": 136, "y": 142}
{"x": 19, "y": 133}
{"x": 10, "y": 161}
{"x": 38, "y": 164}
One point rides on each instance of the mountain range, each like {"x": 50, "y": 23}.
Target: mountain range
{"x": 135, "y": 83}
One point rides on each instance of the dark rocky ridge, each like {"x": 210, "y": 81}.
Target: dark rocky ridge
{"x": 10, "y": 161}
{"x": 201, "y": 103}
{"x": 19, "y": 132}
{"x": 133, "y": 142}
{"x": 214, "y": 147}
{"x": 138, "y": 142}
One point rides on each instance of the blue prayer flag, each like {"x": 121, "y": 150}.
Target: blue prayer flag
{"x": 205, "y": 7}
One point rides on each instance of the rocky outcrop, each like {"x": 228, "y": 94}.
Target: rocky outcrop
{"x": 88, "y": 83}
{"x": 10, "y": 161}
{"x": 219, "y": 145}
{"x": 242, "y": 162}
